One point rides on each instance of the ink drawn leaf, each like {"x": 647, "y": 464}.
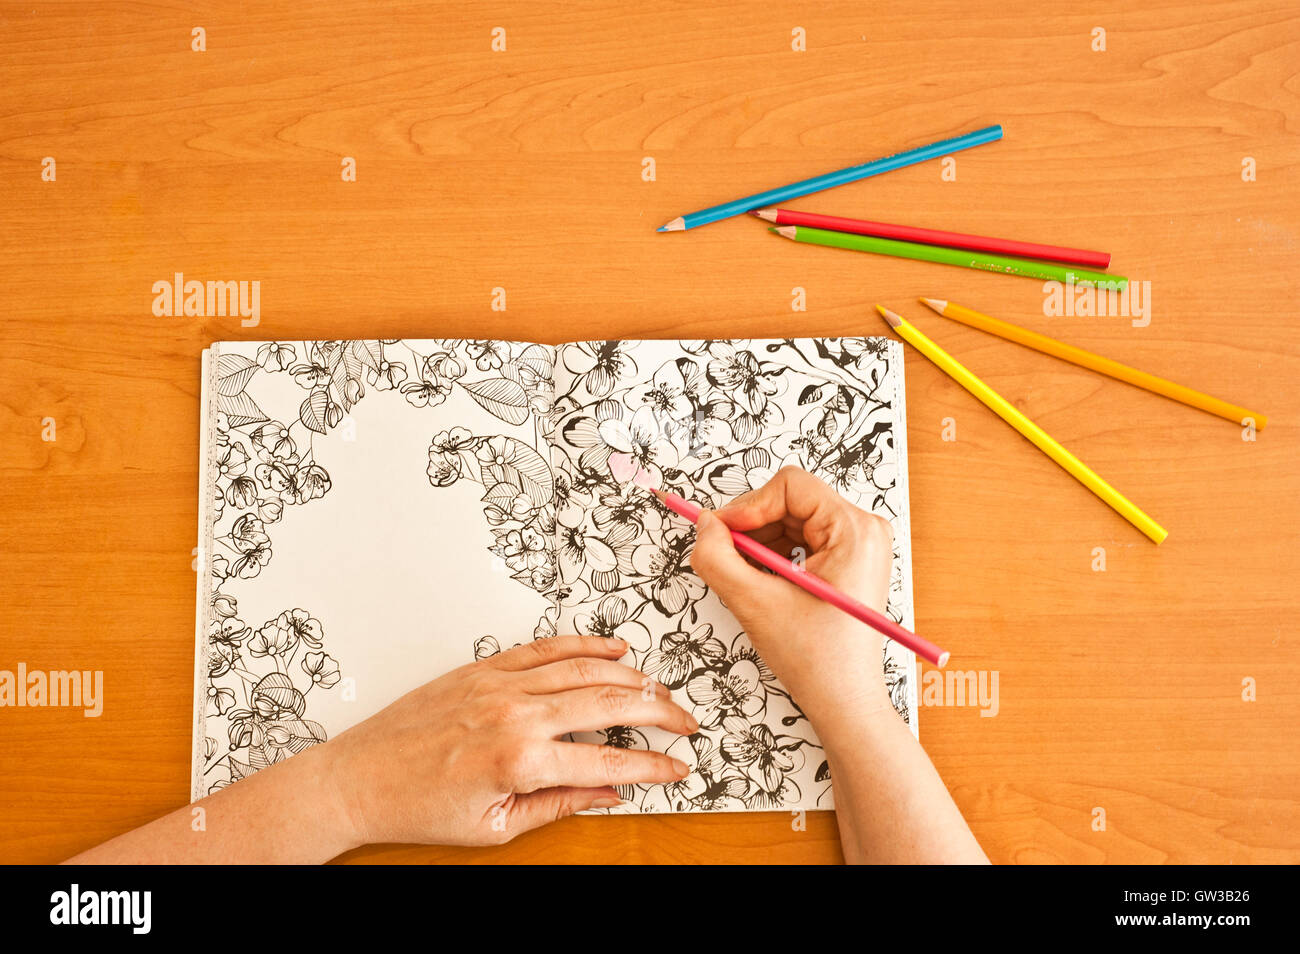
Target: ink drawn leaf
{"x": 278, "y": 690}
{"x": 823, "y": 772}
{"x": 233, "y": 372}
{"x": 513, "y": 462}
{"x": 312, "y": 412}
{"x": 240, "y": 409}
{"x": 345, "y": 376}
{"x": 843, "y": 401}
{"x": 536, "y": 359}
{"x": 369, "y": 352}
{"x": 501, "y": 398}
{"x": 501, "y": 495}
{"x": 339, "y": 379}
{"x": 811, "y": 394}
{"x": 295, "y": 734}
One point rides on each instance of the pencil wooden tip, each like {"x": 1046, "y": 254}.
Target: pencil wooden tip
{"x": 676, "y": 225}
{"x": 893, "y": 319}
{"x": 767, "y": 215}
{"x": 938, "y": 304}
{"x": 785, "y": 231}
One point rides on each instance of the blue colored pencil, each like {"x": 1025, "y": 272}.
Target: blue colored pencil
{"x": 832, "y": 179}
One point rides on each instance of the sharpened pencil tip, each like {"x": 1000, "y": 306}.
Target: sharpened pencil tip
{"x": 893, "y": 319}
{"x": 767, "y": 215}
{"x": 938, "y": 304}
{"x": 785, "y": 231}
{"x": 676, "y": 225}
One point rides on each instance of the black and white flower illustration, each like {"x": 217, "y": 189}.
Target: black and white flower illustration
{"x": 707, "y": 419}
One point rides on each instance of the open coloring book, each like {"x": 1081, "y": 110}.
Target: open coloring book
{"x": 376, "y": 513}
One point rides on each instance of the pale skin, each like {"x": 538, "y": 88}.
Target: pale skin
{"x": 477, "y": 756}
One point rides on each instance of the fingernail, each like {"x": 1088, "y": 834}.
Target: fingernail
{"x": 606, "y": 802}
{"x": 620, "y": 644}
{"x": 681, "y": 768}
{"x": 704, "y": 517}
{"x": 693, "y": 722}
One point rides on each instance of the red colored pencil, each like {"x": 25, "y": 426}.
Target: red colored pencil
{"x": 906, "y": 233}
{"x": 814, "y": 584}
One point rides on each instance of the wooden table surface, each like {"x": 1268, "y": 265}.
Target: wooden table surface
{"x": 522, "y": 169}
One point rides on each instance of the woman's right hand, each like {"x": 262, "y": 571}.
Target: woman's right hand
{"x": 830, "y": 662}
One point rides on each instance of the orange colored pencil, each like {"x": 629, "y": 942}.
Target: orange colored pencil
{"x": 1095, "y": 362}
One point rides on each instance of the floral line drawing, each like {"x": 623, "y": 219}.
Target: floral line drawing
{"x": 263, "y": 467}
{"x": 713, "y": 419}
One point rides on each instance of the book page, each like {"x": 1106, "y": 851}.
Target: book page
{"x": 374, "y": 514}
{"x": 711, "y": 420}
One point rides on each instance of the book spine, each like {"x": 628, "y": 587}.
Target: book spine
{"x": 907, "y": 611}
{"x": 203, "y": 568}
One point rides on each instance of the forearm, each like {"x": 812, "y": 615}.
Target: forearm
{"x": 287, "y": 813}
{"x": 891, "y": 805}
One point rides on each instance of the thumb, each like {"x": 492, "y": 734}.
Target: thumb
{"x": 718, "y": 563}
{"x": 535, "y": 809}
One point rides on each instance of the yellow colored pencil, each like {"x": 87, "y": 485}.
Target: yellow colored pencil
{"x": 1095, "y": 362}
{"x": 1031, "y": 431}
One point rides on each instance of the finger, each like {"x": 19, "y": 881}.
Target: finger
{"x": 585, "y": 671}
{"x": 789, "y": 527}
{"x": 581, "y": 763}
{"x": 599, "y": 707}
{"x": 766, "y": 534}
{"x": 794, "y": 529}
{"x": 791, "y": 493}
{"x": 731, "y": 576}
{"x": 786, "y": 547}
{"x": 535, "y": 809}
{"x": 550, "y": 649}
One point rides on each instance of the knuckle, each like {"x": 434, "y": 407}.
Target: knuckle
{"x": 584, "y": 670}
{"x": 612, "y": 700}
{"x": 504, "y": 709}
{"x": 877, "y": 528}
{"x": 546, "y": 648}
{"x": 614, "y": 761}
{"x": 786, "y": 477}
{"x": 564, "y": 807}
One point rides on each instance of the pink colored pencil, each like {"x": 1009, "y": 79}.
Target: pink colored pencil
{"x": 814, "y": 584}
{"x": 907, "y": 233}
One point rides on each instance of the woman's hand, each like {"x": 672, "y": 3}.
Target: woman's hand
{"x": 474, "y": 757}
{"x": 890, "y": 804}
{"x": 830, "y": 662}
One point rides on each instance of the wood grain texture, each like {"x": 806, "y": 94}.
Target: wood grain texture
{"x": 521, "y": 169}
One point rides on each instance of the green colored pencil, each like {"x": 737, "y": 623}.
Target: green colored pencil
{"x": 1002, "y": 264}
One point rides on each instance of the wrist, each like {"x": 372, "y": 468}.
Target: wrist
{"x": 338, "y": 804}
{"x": 849, "y": 717}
